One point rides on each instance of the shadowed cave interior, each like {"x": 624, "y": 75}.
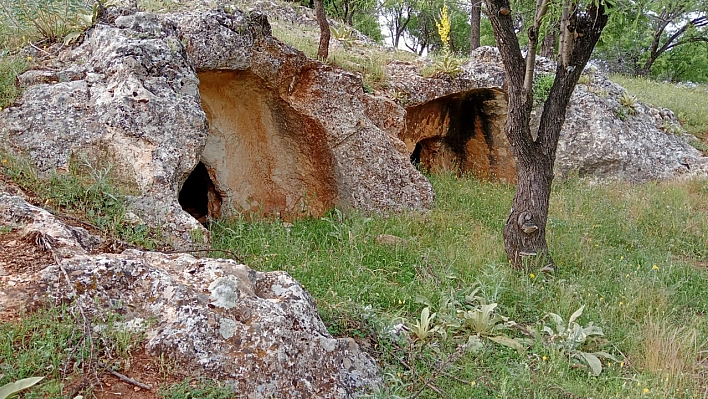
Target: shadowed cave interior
{"x": 460, "y": 133}
{"x": 199, "y": 197}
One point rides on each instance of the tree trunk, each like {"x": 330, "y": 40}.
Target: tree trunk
{"x": 525, "y": 229}
{"x": 323, "y": 50}
{"x": 475, "y": 21}
{"x": 548, "y": 45}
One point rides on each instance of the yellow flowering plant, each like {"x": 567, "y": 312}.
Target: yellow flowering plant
{"x": 444, "y": 27}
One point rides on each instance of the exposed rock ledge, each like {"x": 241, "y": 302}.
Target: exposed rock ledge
{"x": 258, "y": 332}
{"x": 206, "y": 112}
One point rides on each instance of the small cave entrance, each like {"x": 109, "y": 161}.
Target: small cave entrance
{"x": 199, "y": 196}
{"x": 462, "y": 133}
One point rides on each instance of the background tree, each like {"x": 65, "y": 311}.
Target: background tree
{"x": 647, "y": 31}
{"x": 359, "y": 14}
{"x": 421, "y": 32}
{"x": 581, "y": 26}
{"x": 475, "y": 24}
{"x": 398, "y": 14}
{"x": 688, "y": 22}
{"x": 323, "y": 49}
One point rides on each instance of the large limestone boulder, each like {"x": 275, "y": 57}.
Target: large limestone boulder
{"x": 603, "y": 138}
{"x": 205, "y": 112}
{"x": 258, "y": 332}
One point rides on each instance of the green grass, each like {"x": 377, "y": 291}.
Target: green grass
{"x": 53, "y": 343}
{"x": 86, "y": 192}
{"x": 369, "y": 62}
{"x": 689, "y": 104}
{"x": 633, "y": 255}
{"x": 10, "y": 68}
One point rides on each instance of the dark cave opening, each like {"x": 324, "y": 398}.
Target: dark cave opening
{"x": 415, "y": 155}
{"x": 461, "y": 133}
{"x": 199, "y": 196}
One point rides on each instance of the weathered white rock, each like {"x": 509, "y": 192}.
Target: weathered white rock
{"x": 258, "y": 332}
{"x": 603, "y": 139}
{"x": 125, "y": 100}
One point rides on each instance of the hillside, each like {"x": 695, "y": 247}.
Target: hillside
{"x": 321, "y": 262}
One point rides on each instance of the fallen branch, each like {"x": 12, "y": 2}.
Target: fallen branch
{"x": 129, "y": 380}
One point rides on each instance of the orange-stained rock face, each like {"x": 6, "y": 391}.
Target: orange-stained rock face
{"x": 265, "y": 157}
{"x": 463, "y": 133}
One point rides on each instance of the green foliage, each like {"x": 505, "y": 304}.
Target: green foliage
{"x": 202, "y": 389}
{"x": 369, "y": 25}
{"x": 10, "y": 68}
{"x": 17, "y": 386}
{"x": 87, "y": 191}
{"x": 628, "y": 102}
{"x": 683, "y": 64}
{"x": 51, "y": 20}
{"x": 542, "y": 87}
{"x": 343, "y": 35}
{"x": 626, "y": 42}
{"x": 445, "y": 63}
{"x": 571, "y": 338}
{"x": 423, "y": 328}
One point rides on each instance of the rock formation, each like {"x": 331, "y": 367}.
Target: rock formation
{"x": 258, "y": 332}
{"x": 601, "y": 138}
{"x": 263, "y": 129}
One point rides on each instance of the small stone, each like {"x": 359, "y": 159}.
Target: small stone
{"x": 388, "y": 239}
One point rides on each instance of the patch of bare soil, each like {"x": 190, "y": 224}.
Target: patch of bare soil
{"x": 20, "y": 260}
{"x": 144, "y": 369}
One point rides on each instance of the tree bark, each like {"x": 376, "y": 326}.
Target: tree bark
{"x": 525, "y": 229}
{"x": 475, "y": 21}
{"x": 323, "y": 50}
{"x": 548, "y": 45}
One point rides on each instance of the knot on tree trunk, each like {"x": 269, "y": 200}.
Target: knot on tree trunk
{"x": 526, "y": 223}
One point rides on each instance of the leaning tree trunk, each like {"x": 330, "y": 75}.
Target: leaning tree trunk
{"x": 323, "y": 50}
{"x": 525, "y": 229}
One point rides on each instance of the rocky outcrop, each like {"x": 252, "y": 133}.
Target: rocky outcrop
{"x": 261, "y": 128}
{"x": 125, "y": 101}
{"x": 258, "y": 332}
{"x": 455, "y": 123}
{"x": 601, "y": 137}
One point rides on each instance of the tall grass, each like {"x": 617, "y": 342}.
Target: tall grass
{"x": 689, "y": 104}
{"x": 33, "y": 20}
{"x": 633, "y": 255}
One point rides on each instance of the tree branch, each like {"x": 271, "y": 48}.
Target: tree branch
{"x": 541, "y": 10}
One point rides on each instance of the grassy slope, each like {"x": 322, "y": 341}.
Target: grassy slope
{"x": 689, "y": 104}
{"x": 634, "y": 256}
